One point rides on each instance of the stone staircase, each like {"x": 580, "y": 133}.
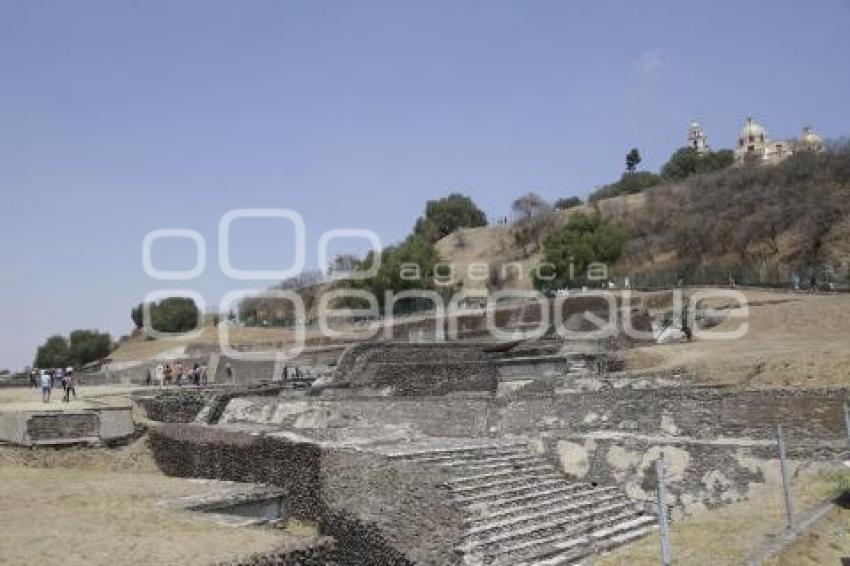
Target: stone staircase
{"x": 520, "y": 510}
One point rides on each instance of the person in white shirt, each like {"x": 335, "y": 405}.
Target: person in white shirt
{"x": 45, "y": 387}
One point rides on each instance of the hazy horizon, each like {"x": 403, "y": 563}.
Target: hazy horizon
{"x": 118, "y": 118}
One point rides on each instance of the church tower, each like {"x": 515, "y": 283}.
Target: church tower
{"x": 697, "y": 139}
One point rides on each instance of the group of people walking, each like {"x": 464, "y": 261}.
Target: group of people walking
{"x": 47, "y": 379}
{"x": 178, "y": 374}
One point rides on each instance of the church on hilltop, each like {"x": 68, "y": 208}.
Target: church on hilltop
{"x": 754, "y": 144}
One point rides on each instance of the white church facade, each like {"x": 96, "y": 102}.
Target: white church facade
{"x": 754, "y": 144}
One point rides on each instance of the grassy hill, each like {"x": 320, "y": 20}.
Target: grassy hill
{"x": 760, "y": 223}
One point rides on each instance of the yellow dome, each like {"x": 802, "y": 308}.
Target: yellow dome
{"x": 752, "y": 131}
{"x": 810, "y": 137}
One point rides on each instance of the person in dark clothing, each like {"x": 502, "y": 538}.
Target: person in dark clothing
{"x": 686, "y": 324}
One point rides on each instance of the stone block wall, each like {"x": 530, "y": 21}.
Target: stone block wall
{"x": 324, "y": 553}
{"x": 173, "y": 405}
{"x": 698, "y": 474}
{"x": 689, "y": 412}
{"x": 110, "y": 425}
{"x": 183, "y": 405}
{"x": 698, "y": 412}
{"x": 377, "y": 510}
{"x": 189, "y": 450}
{"x": 418, "y": 369}
{"x": 433, "y": 416}
{"x": 62, "y": 426}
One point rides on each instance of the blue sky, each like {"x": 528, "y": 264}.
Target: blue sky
{"x": 117, "y": 118}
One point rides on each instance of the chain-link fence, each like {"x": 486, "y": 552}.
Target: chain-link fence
{"x": 812, "y": 277}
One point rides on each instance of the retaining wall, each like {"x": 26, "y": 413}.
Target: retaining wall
{"x": 417, "y": 369}
{"x": 106, "y": 424}
{"x": 699, "y": 474}
{"x": 379, "y": 511}
{"x": 697, "y": 412}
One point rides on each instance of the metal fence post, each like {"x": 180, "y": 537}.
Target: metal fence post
{"x": 786, "y": 481}
{"x": 847, "y": 420}
{"x": 663, "y": 531}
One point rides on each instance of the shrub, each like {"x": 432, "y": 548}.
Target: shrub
{"x": 172, "y": 314}
{"x": 407, "y": 266}
{"x": 569, "y": 202}
{"x": 629, "y": 183}
{"x": 571, "y": 249}
{"x": 686, "y": 161}
{"x": 447, "y": 215}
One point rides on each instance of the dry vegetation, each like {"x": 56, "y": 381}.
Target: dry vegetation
{"x": 760, "y": 222}
{"x": 792, "y": 215}
{"x": 729, "y": 535}
{"x": 794, "y": 339}
{"x": 826, "y": 543}
{"x": 84, "y": 506}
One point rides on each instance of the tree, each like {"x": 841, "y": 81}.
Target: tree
{"x": 86, "y": 346}
{"x": 569, "y": 202}
{"x": 628, "y": 184}
{"x": 633, "y": 159}
{"x": 137, "y": 314}
{"x": 583, "y": 240}
{"x": 407, "y": 266}
{"x": 446, "y": 215}
{"x": 80, "y": 348}
{"x": 172, "y": 314}
{"x": 529, "y": 205}
{"x": 687, "y": 161}
{"x": 343, "y": 264}
{"x": 265, "y": 310}
{"x": 304, "y": 279}
{"x": 534, "y": 219}
{"x": 53, "y": 353}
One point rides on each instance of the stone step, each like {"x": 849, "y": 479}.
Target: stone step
{"x": 618, "y": 528}
{"x": 483, "y": 450}
{"x": 510, "y": 501}
{"x": 626, "y": 537}
{"x": 461, "y": 460}
{"x": 460, "y": 480}
{"x": 577, "y": 496}
{"x": 575, "y": 554}
{"x": 564, "y": 552}
{"x": 500, "y": 486}
{"x": 544, "y": 543}
{"x": 501, "y": 494}
{"x": 563, "y": 510}
{"x": 550, "y": 527}
{"x": 469, "y": 468}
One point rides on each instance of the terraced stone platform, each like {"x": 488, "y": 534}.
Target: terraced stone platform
{"x": 521, "y": 510}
